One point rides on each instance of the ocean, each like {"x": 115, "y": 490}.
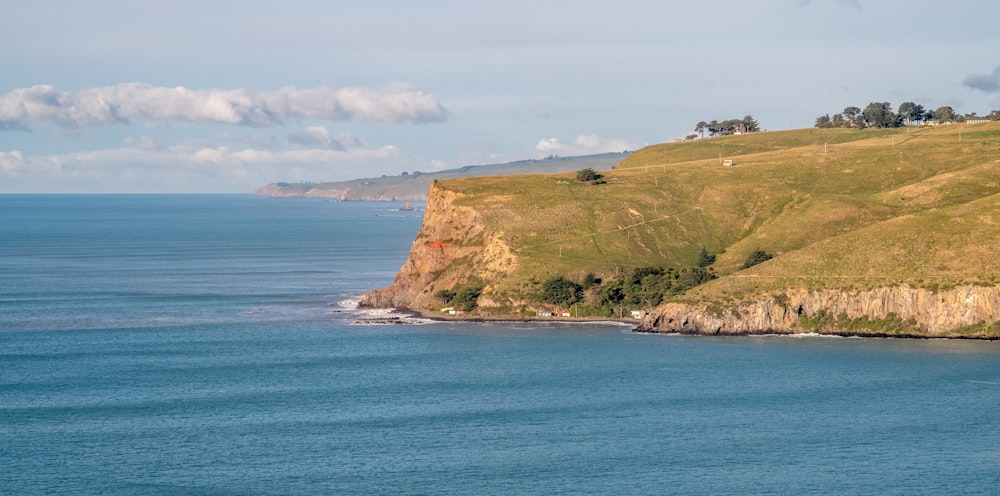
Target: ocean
{"x": 206, "y": 345}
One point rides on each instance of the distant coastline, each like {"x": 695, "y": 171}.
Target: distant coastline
{"x": 413, "y": 186}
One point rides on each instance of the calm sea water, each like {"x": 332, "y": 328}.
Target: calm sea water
{"x": 184, "y": 345}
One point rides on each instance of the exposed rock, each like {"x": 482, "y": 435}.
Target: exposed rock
{"x": 452, "y": 247}
{"x": 933, "y": 313}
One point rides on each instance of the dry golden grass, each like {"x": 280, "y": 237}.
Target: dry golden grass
{"x": 839, "y": 208}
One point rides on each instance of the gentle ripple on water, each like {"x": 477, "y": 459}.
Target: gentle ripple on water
{"x": 208, "y": 353}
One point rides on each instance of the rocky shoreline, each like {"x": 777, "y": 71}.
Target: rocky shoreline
{"x": 394, "y": 317}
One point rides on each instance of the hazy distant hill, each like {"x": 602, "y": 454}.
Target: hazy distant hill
{"x": 413, "y": 187}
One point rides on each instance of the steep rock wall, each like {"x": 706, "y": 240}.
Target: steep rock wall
{"x": 933, "y": 313}
{"x": 453, "y": 247}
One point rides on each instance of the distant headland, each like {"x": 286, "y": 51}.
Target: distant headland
{"x": 413, "y": 186}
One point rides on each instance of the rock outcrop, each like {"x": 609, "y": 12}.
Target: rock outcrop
{"x": 453, "y": 247}
{"x": 920, "y": 311}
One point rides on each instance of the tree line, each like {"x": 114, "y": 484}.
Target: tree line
{"x": 882, "y": 115}
{"x": 592, "y": 296}
{"x": 731, "y": 126}
{"x": 644, "y": 287}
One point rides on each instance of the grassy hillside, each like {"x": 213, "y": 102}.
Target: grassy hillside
{"x": 838, "y": 209}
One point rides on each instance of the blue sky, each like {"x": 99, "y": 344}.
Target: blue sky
{"x": 225, "y": 96}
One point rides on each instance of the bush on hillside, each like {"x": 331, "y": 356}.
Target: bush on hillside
{"x": 467, "y": 299}
{"x": 589, "y": 175}
{"x": 756, "y": 257}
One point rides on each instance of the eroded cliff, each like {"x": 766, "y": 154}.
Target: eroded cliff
{"x": 453, "y": 247}
{"x": 965, "y": 311}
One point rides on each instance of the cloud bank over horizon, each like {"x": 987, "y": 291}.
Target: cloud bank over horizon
{"x": 140, "y": 103}
{"x": 584, "y": 144}
{"x": 141, "y": 164}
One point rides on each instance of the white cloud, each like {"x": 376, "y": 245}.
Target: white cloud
{"x": 190, "y": 167}
{"x": 142, "y": 143}
{"x": 11, "y": 162}
{"x": 315, "y": 136}
{"x": 130, "y": 103}
{"x": 585, "y": 144}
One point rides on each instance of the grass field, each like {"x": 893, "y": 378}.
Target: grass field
{"x": 838, "y": 208}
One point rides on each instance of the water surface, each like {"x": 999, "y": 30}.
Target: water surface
{"x": 195, "y": 345}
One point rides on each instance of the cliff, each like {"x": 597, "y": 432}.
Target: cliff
{"x": 452, "y": 248}
{"x": 966, "y": 311}
{"x": 872, "y": 232}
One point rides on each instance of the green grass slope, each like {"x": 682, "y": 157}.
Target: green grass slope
{"x": 838, "y": 208}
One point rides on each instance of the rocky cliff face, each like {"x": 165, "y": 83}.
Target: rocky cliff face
{"x": 907, "y": 310}
{"x": 453, "y": 247}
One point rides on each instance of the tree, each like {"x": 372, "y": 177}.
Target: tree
{"x": 880, "y": 115}
{"x": 713, "y": 128}
{"x": 995, "y": 115}
{"x": 824, "y": 121}
{"x": 700, "y": 128}
{"x": 944, "y": 114}
{"x": 839, "y": 121}
{"x": 731, "y": 126}
{"x": 705, "y": 258}
{"x": 561, "y": 291}
{"x": 756, "y": 257}
{"x": 750, "y": 125}
{"x": 445, "y": 295}
{"x": 853, "y": 115}
{"x": 467, "y": 299}
{"x": 911, "y": 112}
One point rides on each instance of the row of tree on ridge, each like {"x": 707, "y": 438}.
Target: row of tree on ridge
{"x": 882, "y": 115}
{"x": 724, "y": 128}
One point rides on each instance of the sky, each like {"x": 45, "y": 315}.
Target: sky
{"x": 225, "y": 96}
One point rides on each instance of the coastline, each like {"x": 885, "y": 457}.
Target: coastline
{"x": 832, "y": 334}
{"x": 396, "y": 316}
{"x": 399, "y": 316}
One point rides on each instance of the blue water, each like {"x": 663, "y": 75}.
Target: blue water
{"x": 183, "y": 345}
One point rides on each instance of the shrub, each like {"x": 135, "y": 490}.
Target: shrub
{"x": 467, "y": 299}
{"x": 705, "y": 258}
{"x": 589, "y": 175}
{"x": 756, "y": 257}
{"x": 445, "y": 295}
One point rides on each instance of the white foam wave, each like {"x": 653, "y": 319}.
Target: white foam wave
{"x": 350, "y": 303}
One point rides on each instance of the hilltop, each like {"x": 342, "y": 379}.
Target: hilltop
{"x": 414, "y": 186}
{"x": 875, "y": 231}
